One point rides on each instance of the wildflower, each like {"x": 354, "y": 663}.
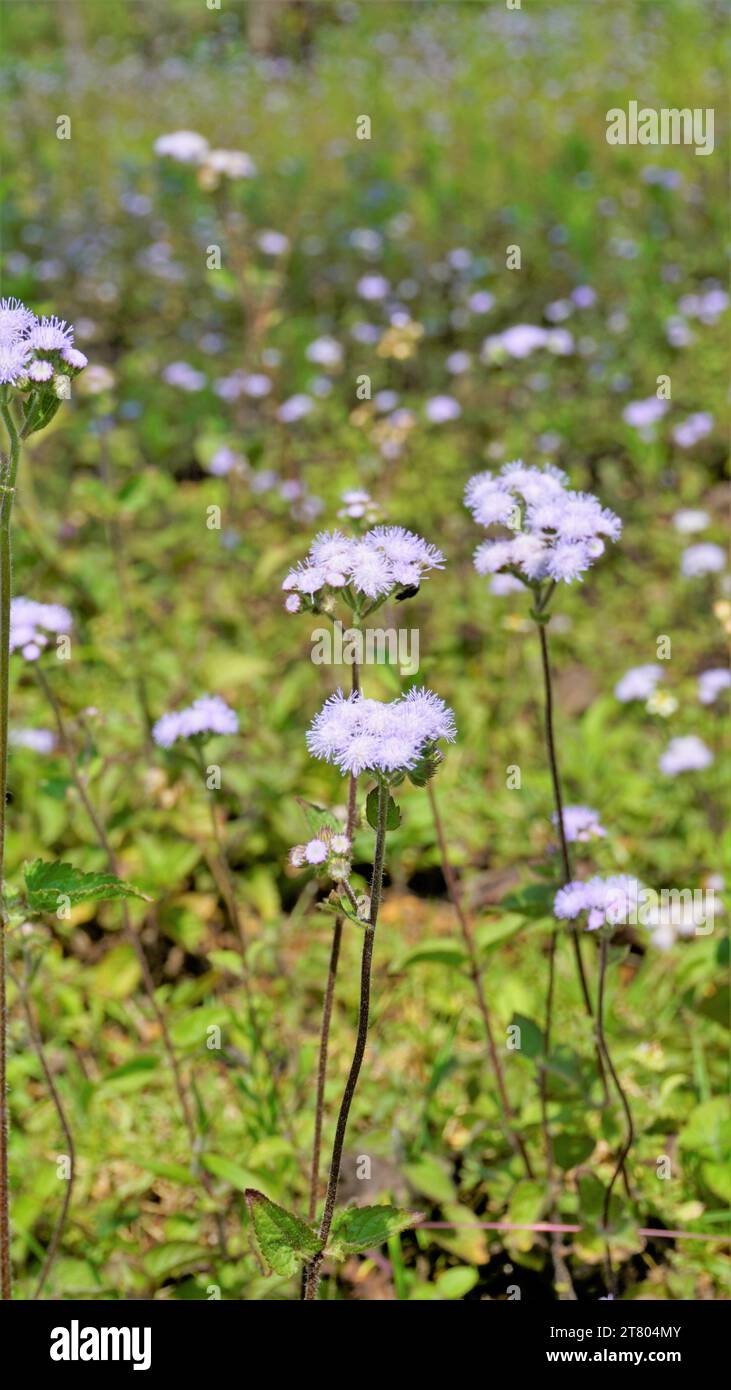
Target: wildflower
{"x": 183, "y": 376}
{"x": 638, "y": 683}
{"x": 326, "y": 352}
{"x": 358, "y": 734}
{"x": 14, "y": 355}
{"x": 712, "y": 683}
{"x": 15, "y": 319}
{"x": 558, "y": 533}
{"x": 440, "y": 409}
{"x": 383, "y": 560}
{"x": 663, "y": 703}
{"x": 315, "y": 852}
{"x": 207, "y": 715}
{"x": 51, "y": 335}
{"x": 40, "y": 371}
{"x": 185, "y": 146}
{"x": 580, "y": 823}
{"x": 606, "y": 901}
{"x": 295, "y": 408}
{"x": 686, "y": 754}
{"x": 690, "y": 519}
{"x": 695, "y": 427}
{"x": 705, "y": 558}
{"x": 74, "y": 358}
{"x": 37, "y": 740}
{"x": 235, "y": 164}
{"x": 272, "y": 243}
{"x": 641, "y": 415}
{"x": 30, "y": 622}
{"x": 372, "y": 287}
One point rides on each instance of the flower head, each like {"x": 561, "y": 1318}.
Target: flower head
{"x": 358, "y": 734}
{"x": 638, "y": 683}
{"x": 606, "y": 901}
{"x": 186, "y": 146}
{"x": 51, "y": 335}
{"x": 685, "y": 754}
{"x": 704, "y": 558}
{"x": 207, "y": 715}
{"x": 30, "y": 623}
{"x": 580, "y": 823}
{"x": 374, "y": 565}
{"x": 15, "y": 319}
{"x": 712, "y": 683}
{"x": 14, "y": 358}
{"x": 556, "y": 533}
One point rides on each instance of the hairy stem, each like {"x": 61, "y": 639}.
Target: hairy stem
{"x": 508, "y": 1116}
{"x": 37, "y": 1041}
{"x": 313, "y": 1275}
{"x": 327, "y": 1004}
{"x": 7, "y": 492}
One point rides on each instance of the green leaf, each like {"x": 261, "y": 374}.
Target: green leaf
{"x": 531, "y": 1036}
{"x": 456, "y": 1282}
{"x": 365, "y": 1228}
{"x": 118, "y": 973}
{"x": 393, "y": 814}
{"x": 439, "y": 951}
{"x": 317, "y": 817}
{"x": 535, "y": 900}
{"x": 229, "y": 1171}
{"x": 569, "y": 1150}
{"x": 175, "y": 1255}
{"x": 283, "y": 1240}
{"x": 49, "y": 881}
{"x": 430, "y": 1177}
{"x": 708, "y": 1131}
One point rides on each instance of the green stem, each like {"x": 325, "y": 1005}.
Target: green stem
{"x": 313, "y": 1276}
{"x": 630, "y": 1136}
{"x": 6, "y": 507}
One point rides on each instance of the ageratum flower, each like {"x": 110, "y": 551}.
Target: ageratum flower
{"x": 638, "y": 683}
{"x": 704, "y": 558}
{"x": 606, "y": 901}
{"x": 712, "y": 683}
{"x": 360, "y": 735}
{"x": 207, "y": 715}
{"x": 380, "y": 563}
{"x": 554, "y": 532}
{"x": 580, "y": 823}
{"x": 26, "y": 344}
{"x": 688, "y": 754}
{"x": 30, "y": 623}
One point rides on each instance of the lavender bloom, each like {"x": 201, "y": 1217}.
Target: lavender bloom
{"x": 705, "y": 558}
{"x": 689, "y": 431}
{"x": 51, "y": 335}
{"x": 386, "y": 558}
{"x": 40, "y": 371}
{"x": 183, "y": 376}
{"x": 688, "y": 754}
{"x": 642, "y": 414}
{"x": 235, "y": 164}
{"x": 638, "y": 683}
{"x": 580, "y": 823}
{"x": 315, "y": 852}
{"x": 186, "y": 146}
{"x": 441, "y": 409}
{"x": 14, "y": 355}
{"x": 207, "y": 715}
{"x": 690, "y": 519}
{"x": 556, "y": 533}
{"x": 326, "y": 352}
{"x": 357, "y": 734}
{"x": 712, "y": 683}
{"x": 295, "y": 408}
{"x": 30, "y": 622}
{"x": 606, "y": 901}
{"x": 37, "y": 740}
{"x": 15, "y": 319}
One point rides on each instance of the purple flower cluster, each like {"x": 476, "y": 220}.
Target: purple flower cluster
{"x": 554, "y": 533}
{"x": 607, "y": 901}
{"x": 30, "y": 622}
{"x": 704, "y": 558}
{"x": 382, "y": 737}
{"x": 638, "y": 683}
{"x": 580, "y": 823}
{"x": 328, "y": 852}
{"x": 207, "y": 715}
{"x": 712, "y": 683}
{"x": 375, "y": 565}
{"x": 685, "y": 754}
{"x": 32, "y": 349}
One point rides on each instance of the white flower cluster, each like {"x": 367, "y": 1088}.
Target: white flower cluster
{"x": 374, "y": 566}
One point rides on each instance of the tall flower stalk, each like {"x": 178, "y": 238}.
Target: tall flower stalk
{"x": 37, "y": 363}
{"x": 388, "y": 742}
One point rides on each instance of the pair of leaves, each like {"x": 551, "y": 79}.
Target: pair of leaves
{"x": 285, "y": 1241}
{"x": 47, "y": 881}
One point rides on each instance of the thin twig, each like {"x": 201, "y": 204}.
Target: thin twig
{"x": 629, "y": 1139}
{"x": 508, "y": 1115}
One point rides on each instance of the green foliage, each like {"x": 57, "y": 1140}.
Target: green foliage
{"x": 393, "y": 814}
{"x": 46, "y": 883}
{"x": 282, "y": 1239}
{"x": 357, "y": 1229}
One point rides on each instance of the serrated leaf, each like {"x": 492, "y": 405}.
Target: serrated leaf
{"x": 365, "y": 1228}
{"x": 283, "y": 1239}
{"x": 393, "y": 814}
{"x": 47, "y": 881}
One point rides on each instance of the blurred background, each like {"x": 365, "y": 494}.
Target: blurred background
{"x": 229, "y": 303}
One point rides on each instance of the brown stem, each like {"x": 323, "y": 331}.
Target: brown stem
{"x": 508, "y": 1115}
{"x": 313, "y": 1275}
{"x": 37, "y": 1041}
